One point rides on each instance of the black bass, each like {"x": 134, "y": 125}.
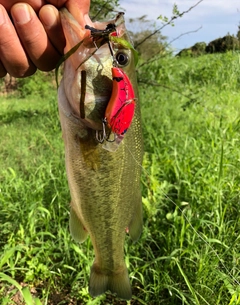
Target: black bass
{"x": 103, "y": 167}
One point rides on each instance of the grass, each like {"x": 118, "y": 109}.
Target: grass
{"x": 189, "y": 252}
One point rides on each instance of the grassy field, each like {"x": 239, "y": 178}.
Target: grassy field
{"x": 189, "y": 252}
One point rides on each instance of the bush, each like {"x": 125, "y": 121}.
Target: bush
{"x": 38, "y": 84}
{"x": 224, "y": 44}
{"x": 196, "y": 50}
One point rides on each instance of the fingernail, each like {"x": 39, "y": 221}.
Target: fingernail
{"x": 2, "y": 15}
{"x": 49, "y": 18}
{"x": 21, "y": 13}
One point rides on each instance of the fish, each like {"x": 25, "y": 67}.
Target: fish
{"x": 103, "y": 166}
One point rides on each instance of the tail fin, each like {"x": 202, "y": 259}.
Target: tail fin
{"x": 116, "y": 283}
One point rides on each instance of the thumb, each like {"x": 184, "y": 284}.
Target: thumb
{"x": 79, "y": 9}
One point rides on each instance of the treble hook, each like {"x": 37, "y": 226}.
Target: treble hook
{"x": 112, "y": 54}
{"x": 100, "y": 138}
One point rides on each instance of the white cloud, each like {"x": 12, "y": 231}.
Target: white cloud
{"x": 217, "y": 17}
{"x": 154, "y": 8}
{"x": 139, "y": 8}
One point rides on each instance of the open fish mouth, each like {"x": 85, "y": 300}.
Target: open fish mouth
{"x": 112, "y": 111}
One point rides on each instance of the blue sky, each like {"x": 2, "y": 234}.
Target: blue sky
{"x": 215, "y": 17}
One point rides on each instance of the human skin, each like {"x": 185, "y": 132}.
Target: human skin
{"x": 31, "y": 34}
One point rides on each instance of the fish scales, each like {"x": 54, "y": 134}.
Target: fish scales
{"x": 104, "y": 185}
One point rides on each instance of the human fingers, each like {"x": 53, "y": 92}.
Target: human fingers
{"x": 34, "y": 38}
{"x": 35, "y": 4}
{"x": 50, "y": 19}
{"x": 3, "y": 71}
{"x": 12, "y": 55}
{"x": 80, "y": 10}
{"x": 58, "y": 3}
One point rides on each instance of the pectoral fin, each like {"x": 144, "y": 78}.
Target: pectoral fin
{"x": 77, "y": 230}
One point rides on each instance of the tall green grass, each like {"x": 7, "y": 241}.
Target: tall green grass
{"x": 189, "y": 251}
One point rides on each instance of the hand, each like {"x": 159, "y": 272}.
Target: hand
{"x": 32, "y": 41}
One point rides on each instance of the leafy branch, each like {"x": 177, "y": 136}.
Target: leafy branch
{"x": 183, "y": 34}
{"x": 176, "y": 15}
{"x": 156, "y": 56}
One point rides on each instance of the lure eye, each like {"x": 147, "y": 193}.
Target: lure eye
{"x": 122, "y": 58}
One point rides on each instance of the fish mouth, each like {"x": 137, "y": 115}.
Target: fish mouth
{"x": 74, "y": 31}
{"x": 79, "y": 28}
{"x": 88, "y": 78}
{"x": 90, "y": 54}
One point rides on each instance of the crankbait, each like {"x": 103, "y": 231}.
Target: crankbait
{"x": 120, "y": 109}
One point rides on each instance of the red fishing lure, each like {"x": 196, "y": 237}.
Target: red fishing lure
{"x": 120, "y": 110}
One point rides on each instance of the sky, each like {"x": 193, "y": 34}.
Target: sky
{"x": 211, "y": 18}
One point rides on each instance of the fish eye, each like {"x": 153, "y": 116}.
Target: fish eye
{"x": 122, "y": 58}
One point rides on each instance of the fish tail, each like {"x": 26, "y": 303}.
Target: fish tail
{"x": 77, "y": 230}
{"x": 117, "y": 283}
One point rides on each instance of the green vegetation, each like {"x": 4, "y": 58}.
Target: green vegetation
{"x": 189, "y": 252}
{"x": 219, "y": 45}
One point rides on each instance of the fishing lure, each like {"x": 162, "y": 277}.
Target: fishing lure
{"x": 120, "y": 109}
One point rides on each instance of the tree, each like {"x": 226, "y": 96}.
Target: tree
{"x": 238, "y": 33}
{"x": 153, "y": 45}
{"x": 101, "y": 8}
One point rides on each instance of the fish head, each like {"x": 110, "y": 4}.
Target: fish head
{"x": 96, "y": 56}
